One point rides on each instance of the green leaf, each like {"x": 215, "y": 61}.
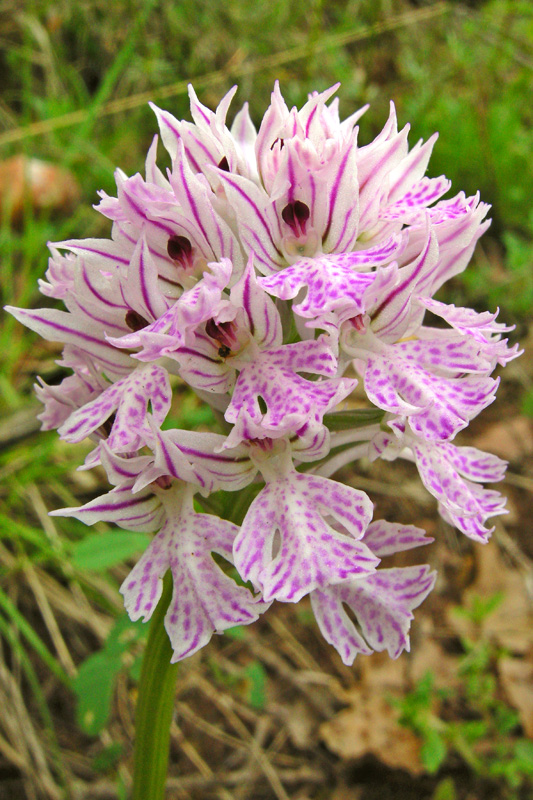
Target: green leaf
{"x": 257, "y": 677}
{"x": 95, "y": 681}
{"x": 433, "y": 751}
{"x": 135, "y": 669}
{"x": 353, "y": 418}
{"x": 100, "y": 551}
{"x": 523, "y": 752}
{"x": 445, "y": 790}
{"x": 107, "y": 759}
{"x": 124, "y": 634}
{"x": 238, "y": 633}
{"x": 527, "y": 403}
{"x": 93, "y": 687}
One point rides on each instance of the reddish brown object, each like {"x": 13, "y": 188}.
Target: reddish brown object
{"x": 37, "y": 185}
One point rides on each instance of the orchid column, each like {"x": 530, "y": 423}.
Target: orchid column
{"x": 266, "y": 270}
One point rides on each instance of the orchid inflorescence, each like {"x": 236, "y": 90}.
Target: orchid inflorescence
{"x": 265, "y": 270}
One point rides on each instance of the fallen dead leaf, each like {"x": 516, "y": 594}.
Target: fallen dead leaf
{"x": 370, "y": 727}
{"x": 510, "y": 623}
{"x": 44, "y": 186}
{"x": 381, "y": 673}
{"x": 301, "y": 723}
{"x": 516, "y": 676}
{"x": 429, "y": 656}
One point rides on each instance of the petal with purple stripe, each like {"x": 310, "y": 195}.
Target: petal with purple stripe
{"x": 382, "y": 604}
{"x": 287, "y": 548}
{"x": 205, "y": 600}
{"x": 128, "y": 401}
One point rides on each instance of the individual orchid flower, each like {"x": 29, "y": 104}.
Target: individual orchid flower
{"x": 451, "y": 474}
{"x": 205, "y": 600}
{"x": 286, "y": 546}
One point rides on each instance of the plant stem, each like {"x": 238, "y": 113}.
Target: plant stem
{"x": 155, "y": 705}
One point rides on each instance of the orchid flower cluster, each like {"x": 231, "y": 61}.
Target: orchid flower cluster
{"x": 271, "y": 270}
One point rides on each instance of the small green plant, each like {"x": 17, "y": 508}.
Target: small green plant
{"x": 486, "y": 732}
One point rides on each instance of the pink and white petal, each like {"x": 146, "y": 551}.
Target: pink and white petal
{"x": 480, "y": 327}
{"x": 202, "y": 367}
{"x": 410, "y": 208}
{"x": 168, "y": 461}
{"x": 391, "y": 313}
{"x": 466, "y": 320}
{"x": 291, "y": 401}
{"x": 457, "y": 401}
{"x": 169, "y": 128}
{"x": 310, "y": 554}
{"x": 437, "y": 407}
{"x": 261, "y": 315}
{"x": 490, "y": 504}
{"x": 194, "y": 198}
{"x": 411, "y": 169}
{"x": 385, "y": 538}
{"x": 270, "y": 129}
{"x": 139, "y": 285}
{"x": 128, "y": 399}
{"x": 375, "y": 162}
{"x": 339, "y": 229}
{"x": 107, "y": 254}
{"x": 60, "y": 401}
{"x": 382, "y": 604}
{"x": 195, "y": 306}
{"x": 144, "y": 584}
{"x": 230, "y": 471}
{"x": 135, "y": 512}
{"x": 60, "y": 326}
{"x": 460, "y": 496}
{"x": 311, "y": 444}
{"x": 142, "y": 204}
{"x": 152, "y": 171}
{"x": 336, "y": 626}
{"x": 100, "y": 290}
{"x": 313, "y": 356}
{"x": 244, "y": 132}
{"x": 259, "y": 227}
{"x": 445, "y": 354}
{"x": 332, "y": 281}
{"x": 474, "y": 464}
{"x": 120, "y": 470}
{"x": 60, "y": 275}
{"x": 205, "y": 599}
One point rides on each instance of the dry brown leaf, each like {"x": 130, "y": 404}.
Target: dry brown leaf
{"x": 301, "y": 723}
{"x": 516, "y": 676}
{"x": 510, "y": 623}
{"x": 370, "y": 727}
{"x": 429, "y": 656}
{"x": 511, "y": 439}
{"x": 381, "y": 673}
{"x": 44, "y": 186}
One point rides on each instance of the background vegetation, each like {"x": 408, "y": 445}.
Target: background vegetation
{"x": 263, "y": 712}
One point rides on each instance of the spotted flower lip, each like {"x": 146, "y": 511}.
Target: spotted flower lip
{"x": 272, "y": 269}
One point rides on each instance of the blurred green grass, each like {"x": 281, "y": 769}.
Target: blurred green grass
{"x": 464, "y": 69}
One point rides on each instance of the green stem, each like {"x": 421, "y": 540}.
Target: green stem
{"x": 155, "y": 706}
